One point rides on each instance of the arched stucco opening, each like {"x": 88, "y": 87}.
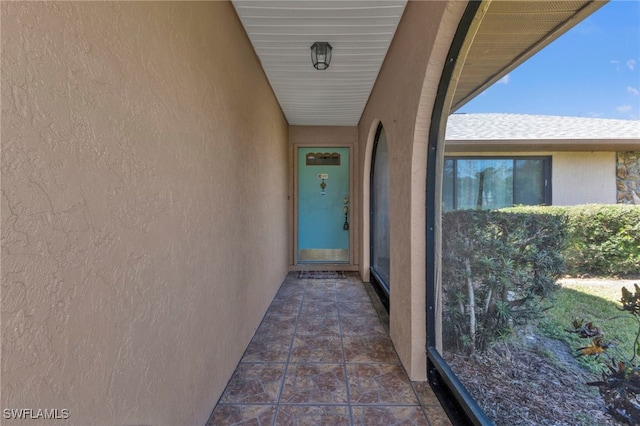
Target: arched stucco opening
{"x": 403, "y": 100}
{"x": 365, "y": 261}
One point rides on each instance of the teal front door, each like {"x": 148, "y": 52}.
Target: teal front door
{"x": 323, "y": 205}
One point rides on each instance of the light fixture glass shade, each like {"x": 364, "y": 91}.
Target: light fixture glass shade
{"x": 321, "y": 55}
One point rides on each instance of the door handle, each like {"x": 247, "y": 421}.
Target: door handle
{"x": 346, "y": 218}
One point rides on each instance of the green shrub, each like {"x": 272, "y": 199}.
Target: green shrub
{"x": 604, "y": 240}
{"x": 497, "y": 265}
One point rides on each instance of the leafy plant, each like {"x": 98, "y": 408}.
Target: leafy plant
{"x": 497, "y": 266}
{"x": 620, "y": 384}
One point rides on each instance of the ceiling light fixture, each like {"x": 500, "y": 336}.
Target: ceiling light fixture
{"x": 321, "y": 55}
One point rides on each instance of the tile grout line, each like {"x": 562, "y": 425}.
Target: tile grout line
{"x": 344, "y": 360}
{"x": 420, "y": 404}
{"x": 303, "y": 288}
{"x": 387, "y": 331}
{"x": 219, "y": 403}
{"x": 286, "y": 364}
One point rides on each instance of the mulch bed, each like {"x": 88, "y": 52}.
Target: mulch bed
{"x": 537, "y": 382}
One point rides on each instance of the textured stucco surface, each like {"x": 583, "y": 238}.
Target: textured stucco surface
{"x": 583, "y": 178}
{"x": 144, "y": 207}
{"x": 402, "y": 99}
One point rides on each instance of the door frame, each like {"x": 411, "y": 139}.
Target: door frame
{"x": 353, "y": 206}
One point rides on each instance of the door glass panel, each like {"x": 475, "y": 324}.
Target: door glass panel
{"x": 529, "y": 176}
{"x": 380, "y": 252}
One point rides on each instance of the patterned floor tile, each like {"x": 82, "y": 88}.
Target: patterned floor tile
{"x": 319, "y": 307}
{"x": 326, "y": 349}
{"x": 265, "y": 348}
{"x": 313, "y": 415}
{"x": 381, "y": 384}
{"x": 282, "y": 301}
{"x": 254, "y": 383}
{"x": 365, "y": 325}
{"x": 316, "y": 295}
{"x": 436, "y": 415}
{"x": 357, "y": 309}
{"x": 293, "y": 371}
{"x": 425, "y": 393}
{"x": 389, "y": 416}
{"x": 277, "y": 325}
{"x": 314, "y": 384}
{"x": 346, "y": 286}
{"x": 352, "y": 297}
{"x": 371, "y": 348}
{"x": 291, "y": 289}
{"x": 284, "y": 308}
{"x": 318, "y": 325}
{"x": 227, "y": 415}
{"x": 434, "y": 411}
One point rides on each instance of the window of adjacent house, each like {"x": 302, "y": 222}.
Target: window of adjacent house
{"x": 485, "y": 183}
{"x": 379, "y": 209}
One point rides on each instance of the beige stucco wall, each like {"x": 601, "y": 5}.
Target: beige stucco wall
{"x": 402, "y": 99}
{"x": 576, "y": 177}
{"x": 144, "y": 207}
{"x": 324, "y": 136}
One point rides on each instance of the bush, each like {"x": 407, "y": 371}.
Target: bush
{"x": 604, "y": 240}
{"x": 497, "y": 265}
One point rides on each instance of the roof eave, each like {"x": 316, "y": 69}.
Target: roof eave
{"x": 464, "y": 95}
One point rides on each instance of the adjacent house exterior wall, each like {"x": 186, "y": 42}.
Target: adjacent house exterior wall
{"x": 144, "y": 207}
{"x": 628, "y": 177}
{"x": 402, "y": 99}
{"x": 576, "y": 177}
{"x": 583, "y": 178}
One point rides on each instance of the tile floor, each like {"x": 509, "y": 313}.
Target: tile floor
{"x": 322, "y": 356}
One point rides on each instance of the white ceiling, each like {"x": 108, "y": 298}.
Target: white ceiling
{"x": 282, "y": 33}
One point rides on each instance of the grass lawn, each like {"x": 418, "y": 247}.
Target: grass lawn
{"x": 608, "y": 289}
{"x": 595, "y": 301}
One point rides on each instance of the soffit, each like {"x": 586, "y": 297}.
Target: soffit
{"x": 282, "y": 33}
{"x": 509, "y": 34}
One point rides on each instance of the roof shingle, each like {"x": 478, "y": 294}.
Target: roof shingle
{"x": 493, "y": 126}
